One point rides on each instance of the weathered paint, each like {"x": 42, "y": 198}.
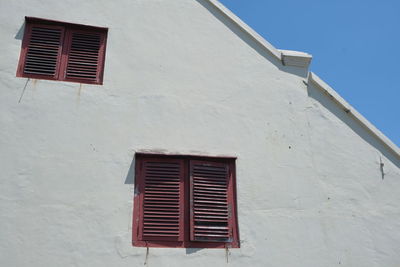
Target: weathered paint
{"x": 182, "y": 78}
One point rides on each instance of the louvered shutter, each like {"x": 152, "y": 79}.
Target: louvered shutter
{"x": 162, "y": 188}
{"x": 210, "y": 202}
{"x": 43, "y": 50}
{"x": 85, "y": 56}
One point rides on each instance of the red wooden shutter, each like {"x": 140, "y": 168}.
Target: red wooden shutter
{"x": 85, "y": 56}
{"x": 210, "y": 203}
{"x": 43, "y": 50}
{"x": 162, "y": 214}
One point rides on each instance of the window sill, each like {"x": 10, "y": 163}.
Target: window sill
{"x": 184, "y": 244}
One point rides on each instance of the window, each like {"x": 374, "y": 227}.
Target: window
{"x": 61, "y": 51}
{"x": 185, "y": 201}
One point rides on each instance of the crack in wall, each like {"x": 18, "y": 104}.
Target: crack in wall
{"x": 227, "y": 254}
{"x": 381, "y": 165}
{"x": 146, "y": 260}
{"x": 23, "y": 90}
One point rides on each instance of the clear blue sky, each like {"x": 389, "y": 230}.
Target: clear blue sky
{"x": 355, "y": 46}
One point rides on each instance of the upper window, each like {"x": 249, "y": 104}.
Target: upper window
{"x": 62, "y": 51}
{"x": 185, "y": 201}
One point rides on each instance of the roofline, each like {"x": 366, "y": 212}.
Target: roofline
{"x": 286, "y": 57}
{"x": 246, "y": 28}
{"x": 325, "y": 88}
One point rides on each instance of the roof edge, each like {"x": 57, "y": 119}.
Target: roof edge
{"x": 286, "y": 57}
{"x": 295, "y": 58}
{"x": 246, "y": 28}
{"x": 352, "y": 111}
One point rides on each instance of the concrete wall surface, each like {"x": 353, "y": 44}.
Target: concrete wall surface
{"x": 314, "y": 187}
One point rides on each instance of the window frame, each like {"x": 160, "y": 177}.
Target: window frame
{"x": 186, "y": 243}
{"x": 62, "y": 60}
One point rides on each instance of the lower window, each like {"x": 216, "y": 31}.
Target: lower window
{"x": 185, "y": 201}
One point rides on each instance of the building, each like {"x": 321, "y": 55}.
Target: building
{"x": 184, "y": 81}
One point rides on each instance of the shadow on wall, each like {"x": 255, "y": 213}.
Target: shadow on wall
{"x": 302, "y": 72}
{"x": 130, "y": 176}
{"x": 193, "y": 250}
{"x": 20, "y": 34}
{"x": 360, "y": 130}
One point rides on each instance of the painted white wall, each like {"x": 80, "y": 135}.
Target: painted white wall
{"x": 182, "y": 78}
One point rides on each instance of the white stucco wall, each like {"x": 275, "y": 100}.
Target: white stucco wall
{"x": 181, "y": 78}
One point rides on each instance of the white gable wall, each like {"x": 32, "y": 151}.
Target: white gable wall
{"x": 178, "y": 80}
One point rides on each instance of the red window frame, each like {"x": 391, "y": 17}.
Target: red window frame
{"x": 67, "y": 30}
{"x": 185, "y": 233}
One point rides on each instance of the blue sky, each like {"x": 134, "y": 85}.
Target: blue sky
{"x": 355, "y": 46}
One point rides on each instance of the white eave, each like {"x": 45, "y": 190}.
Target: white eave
{"x": 295, "y": 58}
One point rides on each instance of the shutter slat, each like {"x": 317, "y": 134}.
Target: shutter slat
{"x": 206, "y": 195}
{"x": 208, "y": 180}
{"x": 163, "y": 206}
{"x": 83, "y": 56}
{"x": 79, "y": 70}
{"x": 162, "y": 215}
{"x": 200, "y": 183}
{"x": 216, "y": 212}
{"x": 39, "y": 65}
{"x": 158, "y": 235}
{"x": 39, "y": 72}
{"x": 162, "y": 196}
{"x": 45, "y": 61}
{"x": 41, "y": 57}
{"x": 161, "y": 184}
{"x": 212, "y": 199}
{"x": 166, "y": 213}
{"x": 43, "y": 50}
{"x": 159, "y": 224}
{"x": 209, "y": 202}
{"x": 85, "y": 63}
{"x": 160, "y": 189}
